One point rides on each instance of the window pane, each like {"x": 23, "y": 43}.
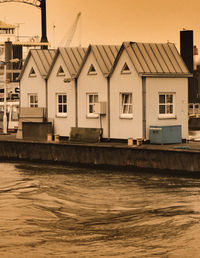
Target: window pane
{"x": 91, "y": 109}
{"x": 130, "y": 109}
{"x": 90, "y": 98}
{"x": 162, "y": 109}
{"x": 161, "y": 98}
{"x": 60, "y": 108}
{"x": 169, "y": 109}
{"x": 31, "y": 99}
{"x": 59, "y": 98}
{"x": 65, "y": 108}
{"x": 64, "y": 99}
{"x": 170, "y": 98}
{"x": 126, "y": 98}
{"x": 95, "y": 98}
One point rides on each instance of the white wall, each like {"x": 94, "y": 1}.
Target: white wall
{"x": 32, "y": 85}
{"x": 177, "y": 85}
{"x": 91, "y": 84}
{"x": 122, "y": 128}
{"x": 62, "y": 125}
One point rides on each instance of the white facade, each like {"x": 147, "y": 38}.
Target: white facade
{"x": 179, "y": 88}
{"x": 63, "y": 121}
{"x": 124, "y": 126}
{"x": 32, "y": 84}
{"x": 92, "y": 84}
{"x": 136, "y": 100}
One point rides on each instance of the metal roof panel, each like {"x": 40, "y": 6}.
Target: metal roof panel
{"x": 99, "y": 59}
{"x": 38, "y": 61}
{"x": 179, "y": 59}
{"x": 140, "y": 57}
{"x": 146, "y": 57}
{"x": 134, "y": 58}
{"x": 172, "y": 58}
{"x": 73, "y": 58}
{"x": 164, "y": 54}
{"x": 153, "y": 57}
{"x": 159, "y": 57}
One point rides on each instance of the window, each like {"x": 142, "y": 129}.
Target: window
{"x": 126, "y": 105}
{"x": 92, "y": 70}
{"x": 32, "y": 73}
{"x": 60, "y": 71}
{"x": 62, "y": 105}
{"x": 166, "y": 105}
{"x": 125, "y": 69}
{"x": 92, "y": 99}
{"x": 33, "y": 100}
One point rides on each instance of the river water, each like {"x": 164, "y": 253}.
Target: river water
{"x": 62, "y": 211}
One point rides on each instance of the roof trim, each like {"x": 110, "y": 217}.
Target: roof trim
{"x": 30, "y": 53}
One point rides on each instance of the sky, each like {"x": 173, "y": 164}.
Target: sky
{"x": 108, "y": 21}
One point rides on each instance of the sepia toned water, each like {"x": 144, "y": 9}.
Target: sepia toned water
{"x": 61, "y": 211}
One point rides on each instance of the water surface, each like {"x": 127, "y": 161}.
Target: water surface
{"x": 62, "y": 211}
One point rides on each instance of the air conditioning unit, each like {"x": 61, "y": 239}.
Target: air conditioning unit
{"x": 100, "y": 108}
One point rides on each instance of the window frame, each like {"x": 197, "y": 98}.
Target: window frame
{"x": 30, "y": 103}
{"x": 92, "y": 72}
{"x": 123, "y": 71}
{"x": 167, "y": 115}
{"x": 61, "y": 114}
{"x": 91, "y": 114}
{"x": 60, "y": 73}
{"x": 122, "y": 105}
{"x": 32, "y": 74}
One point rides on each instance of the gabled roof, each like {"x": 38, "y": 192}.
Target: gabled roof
{"x": 105, "y": 56}
{"x": 153, "y": 59}
{"x": 42, "y": 58}
{"x": 72, "y": 57}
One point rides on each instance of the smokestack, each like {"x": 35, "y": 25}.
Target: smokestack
{"x": 186, "y": 48}
{"x": 17, "y": 53}
{"x": 8, "y": 56}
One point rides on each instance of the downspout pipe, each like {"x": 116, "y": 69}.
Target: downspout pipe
{"x": 144, "y": 107}
{"x": 76, "y": 103}
{"x": 46, "y": 100}
{"x": 108, "y": 93}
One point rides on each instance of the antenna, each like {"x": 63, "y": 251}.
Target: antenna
{"x": 17, "y": 26}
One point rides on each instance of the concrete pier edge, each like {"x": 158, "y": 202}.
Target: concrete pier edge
{"x": 170, "y": 158}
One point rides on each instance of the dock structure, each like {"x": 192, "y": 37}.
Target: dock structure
{"x": 184, "y": 157}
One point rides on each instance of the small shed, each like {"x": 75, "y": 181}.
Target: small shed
{"x": 148, "y": 87}
{"x": 93, "y": 87}
{"x": 33, "y": 83}
{"x": 62, "y": 88}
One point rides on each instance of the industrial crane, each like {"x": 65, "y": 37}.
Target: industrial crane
{"x": 66, "y": 41}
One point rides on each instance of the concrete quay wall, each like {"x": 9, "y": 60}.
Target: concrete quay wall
{"x": 104, "y": 155}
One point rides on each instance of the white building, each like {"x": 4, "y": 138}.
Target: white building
{"x": 93, "y": 87}
{"x": 33, "y": 83}
{"x": 148, "y": 87}
{"x": 62, "y": 89}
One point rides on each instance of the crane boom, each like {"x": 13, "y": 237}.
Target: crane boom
{"x": 66, "y": 41}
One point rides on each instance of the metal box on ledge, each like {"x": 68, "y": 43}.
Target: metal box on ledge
{"x": 165, "y": 134}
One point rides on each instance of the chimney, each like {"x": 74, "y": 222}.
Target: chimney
{"x": 8, "y": 56}
{"x": 186, "y": 48}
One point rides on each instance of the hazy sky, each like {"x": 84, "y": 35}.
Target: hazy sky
{"x": 109, "y": 21}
